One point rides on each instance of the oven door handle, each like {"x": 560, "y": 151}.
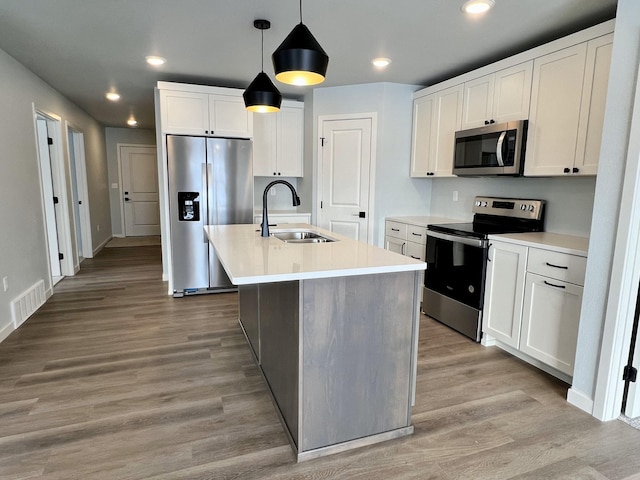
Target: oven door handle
{"x": 499, "y": 149}
{"x": 474, "y": 242}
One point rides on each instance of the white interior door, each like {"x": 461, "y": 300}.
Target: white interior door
{"x": 80, "y": 194}
{"x": 50, "y": 198}
{"x": 139, "y": 169}
{"x": 346, "y": 156}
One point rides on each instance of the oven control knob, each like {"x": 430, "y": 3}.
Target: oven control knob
{"x": 477, "y": 203}
{"x": 484, "y": 204}
{"x": 523, "y": 207}
{"x": 531, "y": 208}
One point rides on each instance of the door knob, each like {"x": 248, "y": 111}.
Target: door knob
{"x": 360, "y": 214}
{"x": 126, "y": 199}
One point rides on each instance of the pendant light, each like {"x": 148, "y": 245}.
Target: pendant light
{"x": 262, "y": 95}
{"x": 300, "y": 60}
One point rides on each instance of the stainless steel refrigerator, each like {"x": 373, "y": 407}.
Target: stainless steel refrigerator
{"x": 210, "y": 183}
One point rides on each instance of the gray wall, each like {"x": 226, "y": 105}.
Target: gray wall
{"x": 282, "y": 199}
{"x": 608, "y": 192}
{"x": 23, "y": 245}
{"x": 568, "y": 208}
{"x": 306, "y": 185}
{"x": 393, "y": 104}
{"x": 114, "y": 136}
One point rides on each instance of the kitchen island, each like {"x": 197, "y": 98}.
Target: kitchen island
{"x": 333, "y": 327}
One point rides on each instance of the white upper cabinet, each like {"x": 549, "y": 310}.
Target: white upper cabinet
{"x": 228, "y": 117}
{"x": 278, "y": 141}
{"x": 594, "y": 97}
{"x": 498, "y": 97}
{"x": 436, "y": 118}
{"x": 202, "y": 113}
{"x": 567, "y": 110}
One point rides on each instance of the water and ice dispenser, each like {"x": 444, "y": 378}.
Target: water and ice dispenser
{"x": 189, "y": 206}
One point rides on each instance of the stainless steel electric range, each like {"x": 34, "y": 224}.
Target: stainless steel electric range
{"x": 457, "y": 259}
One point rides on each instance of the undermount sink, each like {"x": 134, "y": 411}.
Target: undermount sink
{"x": 300, "y": 236}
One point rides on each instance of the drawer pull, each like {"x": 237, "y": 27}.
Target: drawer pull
{"x": 556, "y": 266}
{"x": 395, "y": 229}
{"x": 416, "y": 234}
{"x": 417, "y": 258}
{"x": 553, "y": 285}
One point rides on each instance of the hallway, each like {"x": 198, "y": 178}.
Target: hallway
{"x": 113, "y": 379}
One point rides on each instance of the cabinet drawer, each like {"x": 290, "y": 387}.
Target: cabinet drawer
{"x": 416, "y": 250}
{"x": 561, "y": 266}
{"x": 417, "y": 234}
{"x": 396, "y": 229}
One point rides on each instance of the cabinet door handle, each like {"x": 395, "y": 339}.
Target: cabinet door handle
{"x": 412, "y": 256}
{"x": 553, "y": 285}
{"x": 488, "y": 250}
{"x": 575, "y": 170}
{"x": 416, "y": 234}
{"x": 404, "y": 244}
{"x": 556, "y": 266}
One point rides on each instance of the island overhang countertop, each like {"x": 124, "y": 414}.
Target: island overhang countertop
{"x": 249, "y": 258}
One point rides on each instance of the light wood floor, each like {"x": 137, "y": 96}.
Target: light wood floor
{"x": 113, "y": 379}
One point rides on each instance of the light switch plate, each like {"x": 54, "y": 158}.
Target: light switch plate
{"x": 114, "y": 186}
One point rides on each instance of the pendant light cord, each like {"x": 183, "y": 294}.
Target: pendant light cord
{"x": 262, "y": 51}
{"x": 300, "y": 11}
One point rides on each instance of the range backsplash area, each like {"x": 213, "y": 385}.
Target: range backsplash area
{"x": 569, "y": 200}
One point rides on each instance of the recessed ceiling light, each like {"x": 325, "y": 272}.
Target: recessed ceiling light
{"x": 475, "y": 7}
{"x": 132, "y": 122}
{"x": 113, "y": 96}
{"x": 381, "y": 62}
{"x": 155, "y": 61}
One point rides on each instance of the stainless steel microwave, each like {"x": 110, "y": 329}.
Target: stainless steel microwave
{"x": 495, "y": 149}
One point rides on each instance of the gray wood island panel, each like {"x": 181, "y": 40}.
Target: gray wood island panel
{"x": 337, "y": 356}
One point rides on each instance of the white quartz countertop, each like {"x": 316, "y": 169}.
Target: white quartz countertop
{"x": 249, "y": 258}
{"x": 548, "y": 241}
{"x": 423, "y": 221}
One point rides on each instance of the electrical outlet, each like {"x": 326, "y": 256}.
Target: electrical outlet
{"x": 114, "y": 186}
{"x": 5, "y": 283}
{"x": 455, "y": 195}
{"x": 98, "y": 227}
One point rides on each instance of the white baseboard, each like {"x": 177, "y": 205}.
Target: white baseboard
{"x": 101, "y": 246}
{"x": 119, "y": 235}
{"x": 580, "y": 400}
{"x": 6, "y": 331}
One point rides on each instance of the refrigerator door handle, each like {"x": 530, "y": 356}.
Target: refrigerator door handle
{"x": 205, "y": 201}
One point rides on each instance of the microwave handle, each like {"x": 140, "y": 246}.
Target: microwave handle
{"x": 499, "y": 149}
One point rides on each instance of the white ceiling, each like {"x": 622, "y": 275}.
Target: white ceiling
{"x": 83, "y": 48}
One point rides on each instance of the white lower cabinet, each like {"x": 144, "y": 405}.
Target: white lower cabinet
{"x": 395, "y": 245}
{"x": 532, "y": 304}
{"x": 504, "y": 291}
{"x": 551, "y": 313}
{"x": 406, "y": 239}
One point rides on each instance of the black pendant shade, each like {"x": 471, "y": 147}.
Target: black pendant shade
{"x": 300, "y": 60}
{"x": 262, "y": 95}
